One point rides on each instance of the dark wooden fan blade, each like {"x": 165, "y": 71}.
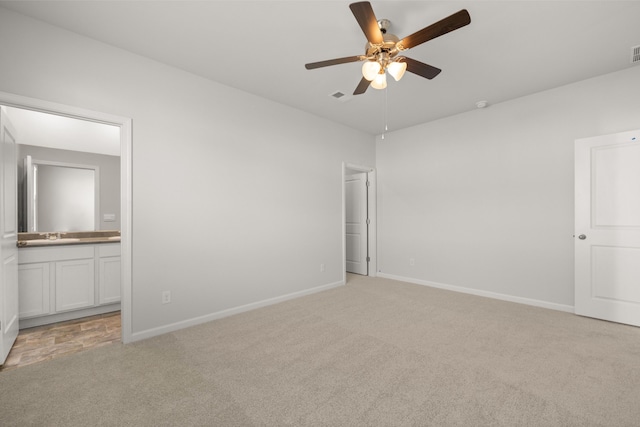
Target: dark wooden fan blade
{"x": 420, "y": 68}
{"x": 362, "y": 87}
{"x": 329, "y": 62}
{"x": 367, "y": 20}
{"x": 444, "y": 26}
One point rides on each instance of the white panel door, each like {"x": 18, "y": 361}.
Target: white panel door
{"x": 607, "y": 233}
{"x": 8, "y": 237}
{"x": 356, "y": 223}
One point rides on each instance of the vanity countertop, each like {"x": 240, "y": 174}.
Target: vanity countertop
{"x": 67, "y": 238}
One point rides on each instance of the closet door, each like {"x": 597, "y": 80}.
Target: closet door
{"x": 607, "y": 227}
{"x": 356, "y": 227}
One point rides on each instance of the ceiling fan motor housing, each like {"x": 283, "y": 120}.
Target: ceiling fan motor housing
{"x": 388, "y": 46}
{"x": 384, "y": 25}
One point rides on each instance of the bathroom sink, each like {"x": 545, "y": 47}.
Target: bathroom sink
{"x": 60, "y": 241}
{"x": 44, "y": 242}
{"x": 67, "y": 240}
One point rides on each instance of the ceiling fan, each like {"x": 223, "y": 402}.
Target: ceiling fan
{"x": 383, "y": 48}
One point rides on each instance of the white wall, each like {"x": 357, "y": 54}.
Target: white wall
{"x": 483, "y": 201}
{"x": 236, "y": 199}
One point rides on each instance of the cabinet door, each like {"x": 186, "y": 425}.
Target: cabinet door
{"x": 74, "y": 284}
{"x": 109, "y": 280}
{"x": 33, "y": 289}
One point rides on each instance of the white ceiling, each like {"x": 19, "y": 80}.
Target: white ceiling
{"x": 65, "y": 133}
{"x": 510, "y": 49}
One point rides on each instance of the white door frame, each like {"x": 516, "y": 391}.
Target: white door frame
{"x": 607, "y": 242}
{"x": 125, "y": 125}
{"x": 371, "y": 206}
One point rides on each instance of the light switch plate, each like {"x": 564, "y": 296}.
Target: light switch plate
{"x": 109, "y": 217}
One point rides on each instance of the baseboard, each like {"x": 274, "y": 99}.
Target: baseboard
{"x": 487, "y": 294}
{"x": 137, "y": 336}
{"x": 67, "y": 315}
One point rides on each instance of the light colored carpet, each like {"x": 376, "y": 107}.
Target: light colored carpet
{"x": 375, "y": 352}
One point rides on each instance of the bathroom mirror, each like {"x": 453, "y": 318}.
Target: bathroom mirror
{"x": 60, "y": 196}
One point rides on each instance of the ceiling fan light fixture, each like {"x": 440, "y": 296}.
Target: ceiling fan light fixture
{"x": 382, "y": 47}
{"x": 380, "y": 81}
{"x": 397, "y": 69}
{"x": 370, "y": 69}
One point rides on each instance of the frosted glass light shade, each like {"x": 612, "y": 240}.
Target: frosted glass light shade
{"x": 380, "y": 82}
{"x": 397, "y": 69}
{"x": 370, "y": 70}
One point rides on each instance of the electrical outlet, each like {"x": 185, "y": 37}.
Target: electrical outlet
{"x": 321, "y": 268}
{"x": 166, "y": 297}
{"x": 412, "y": 261}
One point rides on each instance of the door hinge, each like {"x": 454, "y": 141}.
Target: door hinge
{"x": 368, "y": 221}
{"x": 368, "y": 183}
{"x": 368, "y": 259}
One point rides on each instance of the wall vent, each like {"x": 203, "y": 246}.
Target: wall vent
{"x": 635, "y": 54}
{"x": 337, "y": 95}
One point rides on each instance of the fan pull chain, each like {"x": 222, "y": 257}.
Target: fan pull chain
{"x": 386, "y": 111}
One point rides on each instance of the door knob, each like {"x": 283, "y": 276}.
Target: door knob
{"x": 582, "y": 237}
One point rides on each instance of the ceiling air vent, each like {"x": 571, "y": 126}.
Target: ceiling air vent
{"x": 635, "y": 54}
{"x": 340, "y": 96}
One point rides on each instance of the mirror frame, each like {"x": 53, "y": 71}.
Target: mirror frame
{"x": 30, "y": 202}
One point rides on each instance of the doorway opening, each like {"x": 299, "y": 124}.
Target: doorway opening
{"x": 124, "y": 137}
{"x": 359, "y": 220}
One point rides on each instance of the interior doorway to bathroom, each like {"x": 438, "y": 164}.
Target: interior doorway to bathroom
{"x": 119, "y": 213}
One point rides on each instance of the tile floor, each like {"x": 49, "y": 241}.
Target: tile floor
{"x": 59, "y": 339}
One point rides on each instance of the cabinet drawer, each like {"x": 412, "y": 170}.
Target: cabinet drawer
{"x": 108, "y": 249}
{"x": 58, "y": 253}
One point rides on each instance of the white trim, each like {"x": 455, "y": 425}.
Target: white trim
{"x": 344, "y": 226}
{"x": 373, "y": 218}
{"x": 126, "y": 254}
{"x": 373, "y": 226}
{"x": 68, "y": 315}
{"x": 358, "y": 168}
{"x": 125, "y": 124}
{"x": 230, "y": 312}
{"x": 481, "y": 293}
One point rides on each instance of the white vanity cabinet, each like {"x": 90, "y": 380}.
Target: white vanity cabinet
{"x": 33, "y": 289}
{"x": 62, "y": 282}
{"x": 109, "y": 277}
{"x": 75, "y": 284}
